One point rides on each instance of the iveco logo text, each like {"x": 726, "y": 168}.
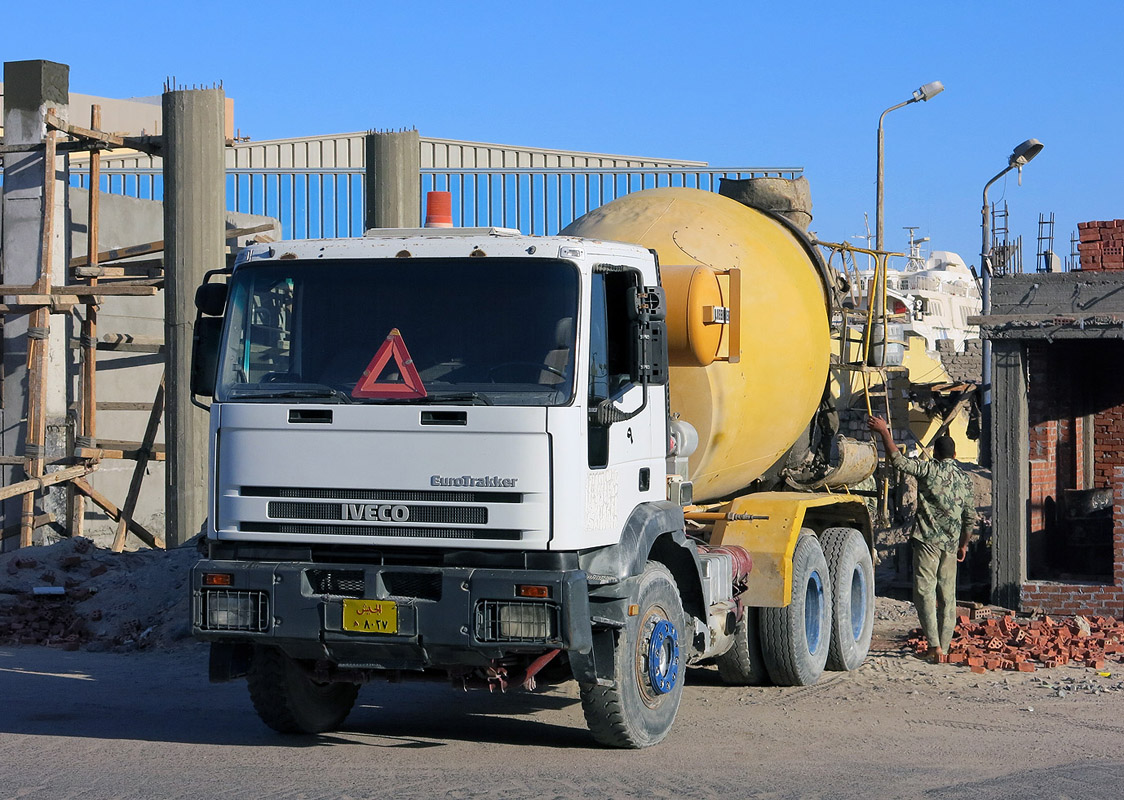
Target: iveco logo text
{"x": 488, "y": 482}
{"x": 373, "y": 512}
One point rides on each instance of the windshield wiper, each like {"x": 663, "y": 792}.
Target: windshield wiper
{"x": 308, "y": 390}
{"x": 453, "y": 397}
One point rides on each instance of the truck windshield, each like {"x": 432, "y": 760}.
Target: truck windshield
{"x": 490, "y": 331}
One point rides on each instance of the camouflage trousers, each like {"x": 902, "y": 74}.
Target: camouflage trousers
{"x": 934, "y": 592}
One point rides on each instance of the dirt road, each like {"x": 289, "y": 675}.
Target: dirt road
{"x": 148, "y": 725}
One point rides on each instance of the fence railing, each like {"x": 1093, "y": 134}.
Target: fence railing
{"x": 316, "y": 186}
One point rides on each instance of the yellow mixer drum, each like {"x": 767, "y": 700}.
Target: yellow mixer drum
{"x": 747, "y": 413}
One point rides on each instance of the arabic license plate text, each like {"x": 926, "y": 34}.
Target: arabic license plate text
{"x": 370, "y": 616}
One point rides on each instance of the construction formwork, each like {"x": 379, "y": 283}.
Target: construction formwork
{"x": 51, "y": 371}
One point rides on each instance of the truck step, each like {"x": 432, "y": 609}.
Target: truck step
{"x": 605, "y": 622}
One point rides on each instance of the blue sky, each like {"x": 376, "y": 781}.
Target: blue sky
{"x": 732, "y": 83}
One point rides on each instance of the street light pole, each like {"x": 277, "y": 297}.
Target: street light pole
{"x": 923, "y": 93}
{"x": 1019, "y": 158}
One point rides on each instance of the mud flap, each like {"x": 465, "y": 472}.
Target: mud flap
{"x": 229, "y": 660}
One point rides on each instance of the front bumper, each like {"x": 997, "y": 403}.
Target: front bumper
{"x": 445, "y": 617}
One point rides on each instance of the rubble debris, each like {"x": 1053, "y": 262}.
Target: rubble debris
{"x": 984, "y": 641}
{"x": 74, "y": 595}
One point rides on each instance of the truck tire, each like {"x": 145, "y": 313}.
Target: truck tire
{"x": 289, "y": 701}
{"x": 852, "y": 591}
{"x": 744, "y": 664}
{"x": 795, "y": 639}
{"x": 648, "y": 668}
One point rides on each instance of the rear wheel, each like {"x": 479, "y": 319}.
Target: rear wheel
{"x": 795, "y": 639}
{"x": 744, "y": 664}
{"x": 288, "y": 700}
{"x": 648, "y": 669}
{"x": 852, "y": 589}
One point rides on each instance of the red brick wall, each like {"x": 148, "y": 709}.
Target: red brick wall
{"x": 1102, "y": 245}
{"x": 1089, "y": 599}
{"x": 1053, "y": 443}
{"x": 1108, "y": 444}
{"x": 1067, "y": 381}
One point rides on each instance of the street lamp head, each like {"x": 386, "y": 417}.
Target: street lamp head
{"x": 928, "y": 90}
{"x": 1025, "y": 152}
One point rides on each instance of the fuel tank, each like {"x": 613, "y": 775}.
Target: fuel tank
{"x": 748, "y": 411}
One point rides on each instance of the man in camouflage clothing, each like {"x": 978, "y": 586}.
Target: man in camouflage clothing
{"x": 946, "y": 515}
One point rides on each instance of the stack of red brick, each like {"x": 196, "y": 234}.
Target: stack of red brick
{"x": 1004, "y": 643}
{"x": 1102, "y": 245}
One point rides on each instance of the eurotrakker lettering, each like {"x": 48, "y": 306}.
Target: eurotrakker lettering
{"x": 487, "y": 482}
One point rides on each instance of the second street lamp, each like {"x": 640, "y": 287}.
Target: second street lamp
{"x": 1020, "y": 157}
{"x": 924, "y": 93}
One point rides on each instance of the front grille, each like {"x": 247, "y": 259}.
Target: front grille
{"x": 225, "y": 610}
{"x": 420, "y": 585}
{"x": 380, "y": 530}
{"x": 445, "y": 515}
{"x": 505, "y": 621}
{"x": 383, "y": 495}
{"x": 341, "y": 582}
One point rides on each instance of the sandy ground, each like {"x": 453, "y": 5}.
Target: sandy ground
{"x": 146, "y": 724}
{"x": 119, "y": 706}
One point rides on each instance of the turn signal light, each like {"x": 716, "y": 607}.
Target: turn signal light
{"x": 217, "y": 579}
{"x": 533, "y": 591}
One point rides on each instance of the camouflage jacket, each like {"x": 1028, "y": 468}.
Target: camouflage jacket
{"x": 946, "y": 508}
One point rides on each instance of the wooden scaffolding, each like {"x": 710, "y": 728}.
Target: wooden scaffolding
{"x": 134, "y": 271}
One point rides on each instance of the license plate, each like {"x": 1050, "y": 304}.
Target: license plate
{"x": 370, "y": 616}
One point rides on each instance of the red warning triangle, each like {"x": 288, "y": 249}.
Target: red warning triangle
{"x": 411, "y": 385}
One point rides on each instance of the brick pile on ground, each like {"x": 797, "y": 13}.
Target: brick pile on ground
{"x": 101, "y": 600}
{"x": 1006, "y": 643}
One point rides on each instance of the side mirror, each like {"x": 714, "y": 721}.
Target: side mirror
{"x": 205, "y": 344}
{"x": 210, "y": 299}
{"x": 648, "y": 359}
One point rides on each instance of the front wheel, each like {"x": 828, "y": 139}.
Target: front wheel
{"x": 648, "y": 669}
{"x": 288, "y": 700}
{"x": 795, "y": 639}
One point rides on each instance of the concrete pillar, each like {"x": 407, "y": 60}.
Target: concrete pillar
{"x": 393, "y": 179}
{"x": 194, "y": 233}
{"x": 31, "y": 88}
{"x": 1010, "y": 483}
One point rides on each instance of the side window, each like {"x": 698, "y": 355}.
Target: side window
{"x": 608, "y": 352}
{"x": 598, "y": 370}
{"x": 598, "y": 343}
{"x": 265, "y": 343}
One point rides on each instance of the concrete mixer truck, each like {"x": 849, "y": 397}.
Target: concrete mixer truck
{"x": 496, "y": 459}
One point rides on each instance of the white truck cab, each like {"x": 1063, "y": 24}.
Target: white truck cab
{"x": 432, "y": 450}
{"x": 449, "y": 453}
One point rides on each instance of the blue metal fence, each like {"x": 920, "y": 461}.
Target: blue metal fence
{"x": 326, "y": 198}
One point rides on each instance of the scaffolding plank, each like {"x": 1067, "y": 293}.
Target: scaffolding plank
{"x": 147, "y": 445}
{"x": 36, "y": 410}
{"x": 117, "y": 253}
{"x": 113, "y": 405}
{"x": 110, "y": 508}
{"x": 120, "y": 451}
{"x": 50, "y": 479}
{"x": 147, "y": 268}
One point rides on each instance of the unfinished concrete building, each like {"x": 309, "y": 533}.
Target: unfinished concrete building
{"x": 1058, "y": 452}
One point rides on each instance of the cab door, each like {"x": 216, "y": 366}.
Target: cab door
{"x": 624, "y": 458}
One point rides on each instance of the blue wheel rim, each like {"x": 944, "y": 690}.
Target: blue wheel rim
{"x": 813, "y": 612}
{"x": 663, "y": 657}
{"x": 858, "y": 602}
